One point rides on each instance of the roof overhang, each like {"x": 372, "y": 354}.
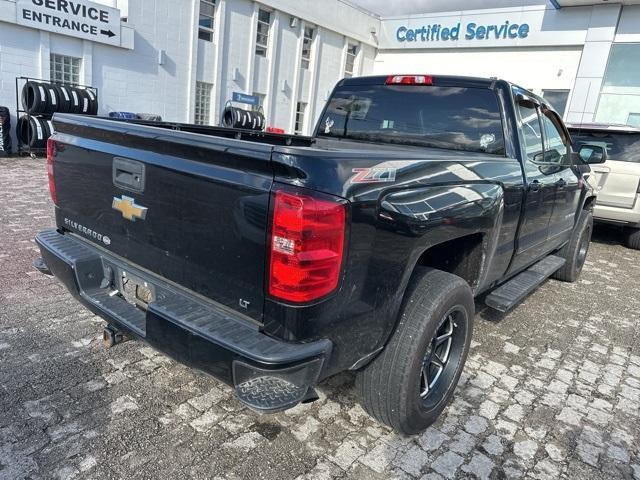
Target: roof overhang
{"x": 581, "y": 3}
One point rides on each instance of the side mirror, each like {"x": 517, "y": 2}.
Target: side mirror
{"x": 526, "y": 101}
{"x": 592, "y": 154}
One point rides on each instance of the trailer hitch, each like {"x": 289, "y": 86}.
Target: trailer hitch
{"x": 112, "y": 336}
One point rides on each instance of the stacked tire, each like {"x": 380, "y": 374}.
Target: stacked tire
{"x": 234, "y": 117}
{"x": 40, "y": 100}
{"x": 34, "y": 131}
{"x": 5, "y": 132}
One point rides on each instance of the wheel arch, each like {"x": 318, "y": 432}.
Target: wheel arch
{"x": 468, "y": 263}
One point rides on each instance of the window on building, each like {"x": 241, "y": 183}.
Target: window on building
{"x": 65, "y": 69}
{"x": 350, "y": 63}
{"x": 299, "y": 125}
{"x": 206, "y": 20}
{"x": 307, "y": 41}
{"x": 262, "y": 34}
{"x": 203, "y": 103}
{"x": 558, "y": 99}
{"x": 620, "y": 93}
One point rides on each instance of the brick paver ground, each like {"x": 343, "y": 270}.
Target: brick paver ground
{"x": 551, "y": 390}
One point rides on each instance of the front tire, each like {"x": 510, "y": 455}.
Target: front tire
{"x": 575, "y": 251}
{"x": 411, "y": 382}
{"x": 633, "y": 238}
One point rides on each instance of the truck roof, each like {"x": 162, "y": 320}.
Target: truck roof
{"x": 604, "y": 127}
{"x": 447, "y": 80}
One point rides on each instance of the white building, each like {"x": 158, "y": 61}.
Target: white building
{"x": 184, "y": 59}
{"x": 583, "y": 55}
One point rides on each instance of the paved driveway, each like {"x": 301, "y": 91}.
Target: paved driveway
{"x": 551, "y": 390}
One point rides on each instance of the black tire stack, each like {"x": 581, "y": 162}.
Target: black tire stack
{"x": 5, "y": 132}
{"x": 40, "y": 100}
{"x": 234, "y": 117}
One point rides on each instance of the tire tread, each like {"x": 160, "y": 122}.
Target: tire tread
{"x": 380, "y": 383}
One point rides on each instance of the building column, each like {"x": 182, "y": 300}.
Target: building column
{"x": 87, "y": 62}
{"x": 193, "y": 62}
{"x": 314, "y": 79}
{"x": 295, "y": 88}
{"x": 272, "y": 85}
{"x": 44, "y": 70}
{"x": 583, "y": 101}
{"x": 219, "y": 37}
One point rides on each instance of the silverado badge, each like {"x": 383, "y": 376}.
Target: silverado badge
{"x": 128, "y": 207}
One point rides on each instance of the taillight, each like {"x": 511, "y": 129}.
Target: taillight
{"x": 307, "y": 241}
{"x": 409, "y": 80}
{"x": 51, "y": 153}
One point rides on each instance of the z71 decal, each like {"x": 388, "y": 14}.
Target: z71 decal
{"x": 374, "y": 175}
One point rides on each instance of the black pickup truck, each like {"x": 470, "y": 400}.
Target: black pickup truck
{"x": 273, "y": 262}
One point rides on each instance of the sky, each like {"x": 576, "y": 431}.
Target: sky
{"x": 403, "y": 7}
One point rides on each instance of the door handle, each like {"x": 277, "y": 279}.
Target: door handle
{"x": 535, "y": 186}
{"x": 561, "y": 183}
{"x": 128, "y": 174}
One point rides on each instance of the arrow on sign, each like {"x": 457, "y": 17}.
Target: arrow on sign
{"x": 108, "y": 33}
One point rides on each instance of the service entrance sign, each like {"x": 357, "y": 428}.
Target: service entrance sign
{"x": 76, "y": 18}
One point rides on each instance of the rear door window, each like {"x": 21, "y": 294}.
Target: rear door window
{"x": 531, "y": 131}
{"x": 555, "y": 148}
{"x": 453, "y": 118}
{"x": 624, "y": 147}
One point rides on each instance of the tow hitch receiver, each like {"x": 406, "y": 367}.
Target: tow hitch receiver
{"x": 112, "y": 336}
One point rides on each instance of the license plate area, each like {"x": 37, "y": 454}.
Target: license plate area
{"x": 134, "y": 289}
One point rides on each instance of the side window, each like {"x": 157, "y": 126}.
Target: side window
{"x": 555, "y": 149}
{"x": 531, "y": 132}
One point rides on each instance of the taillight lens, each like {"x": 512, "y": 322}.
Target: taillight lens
{"x": 409, "y": 80}
{"x": 51, "y": 153}
{"x": 307, "y": 241}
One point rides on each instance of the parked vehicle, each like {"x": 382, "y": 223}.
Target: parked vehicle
{"x": 276, "y": 261}
{"x": 618, "y": 180}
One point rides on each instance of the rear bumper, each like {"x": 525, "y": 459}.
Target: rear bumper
{"x": 619, "y": 215}
{"x": 268, "y": 374}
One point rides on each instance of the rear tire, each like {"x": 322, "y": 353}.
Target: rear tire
{"x": 632, "y": 239}
{"x": 396, "y": 388}
{"x": 575, "y": 251}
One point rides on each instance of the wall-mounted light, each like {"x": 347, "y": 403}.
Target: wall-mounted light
{"x": 374, "y": 33}
{"x": 293, "y": 22}
{"x": 285, "y": 86}
{"x": 161, "y": 57}
{"x": 236, "y": 74}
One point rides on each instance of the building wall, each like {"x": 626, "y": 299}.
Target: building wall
{"x": 161, "y": 59}
{"x": 564, "y": 49}
{"x": 535, "y": 68}
{"x": 279, "y": 76}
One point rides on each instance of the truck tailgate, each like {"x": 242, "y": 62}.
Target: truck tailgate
{"x": 188, "y": 207}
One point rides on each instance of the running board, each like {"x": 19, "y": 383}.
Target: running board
{"x": 508, "y": 295}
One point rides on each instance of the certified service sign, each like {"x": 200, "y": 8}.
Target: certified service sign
{"x": 76, "y": 18}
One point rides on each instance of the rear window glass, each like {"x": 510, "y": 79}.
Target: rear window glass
{"x": 454, "y": 118}
{"x": 623, "y": 147}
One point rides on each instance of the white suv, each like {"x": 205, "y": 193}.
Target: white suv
{"x": 618, "y": 179}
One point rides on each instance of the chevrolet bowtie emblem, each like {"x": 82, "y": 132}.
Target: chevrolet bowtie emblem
{"x": 127, "y": 206}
